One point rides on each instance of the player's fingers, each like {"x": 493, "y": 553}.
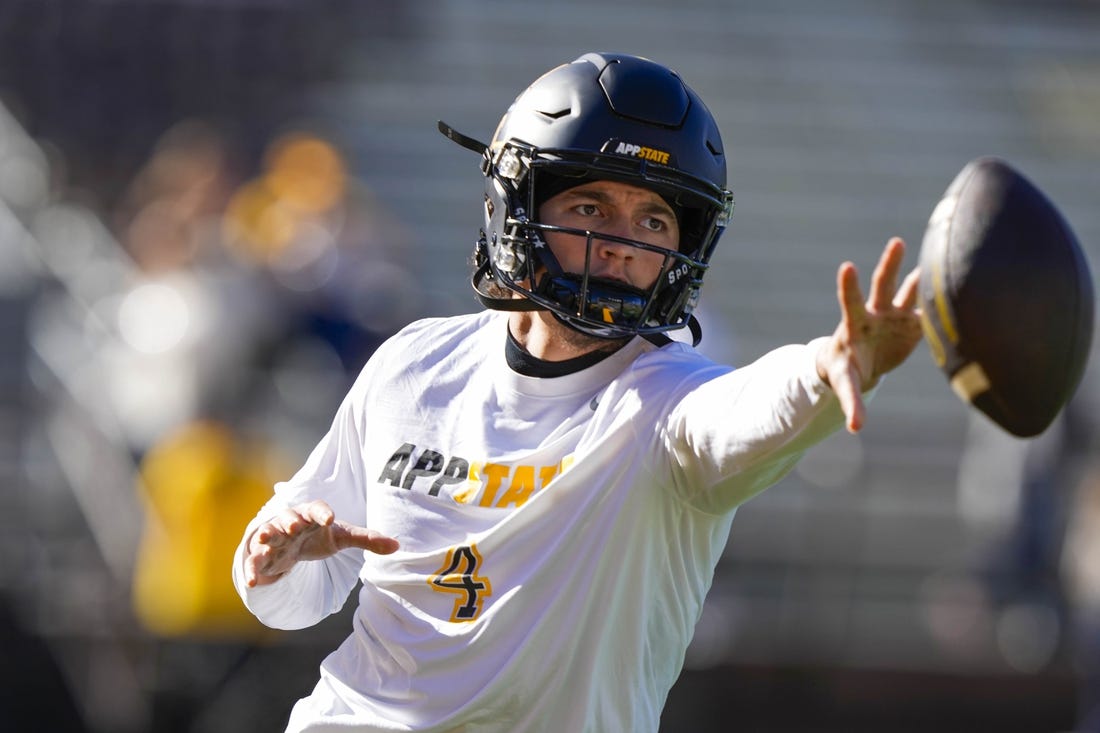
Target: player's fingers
{"x": 259, "y": 572}
{"x": 849, "y": 296}
{"x": 304, "y": 518}
{"x": 847, "y": 388}
{"x": 842, "y": 389}
{"x": 294, "y": 525}
{"x": 257, "y": 565}
{"x": 271, "y": 532}
{"x": 348, "y": 535}
{"x": 318, "y": 512}
{"x": 281, "y": 528}
{"x": 906, "y": 299}
{"x": 251, "y": 572}
{"x": 884, "y": 280}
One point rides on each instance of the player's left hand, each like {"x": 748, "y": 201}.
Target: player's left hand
{"x": 872, "y": 338}
{"x": 308, "y": 531}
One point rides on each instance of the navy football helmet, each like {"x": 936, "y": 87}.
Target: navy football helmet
{"x": 602, "y": 117}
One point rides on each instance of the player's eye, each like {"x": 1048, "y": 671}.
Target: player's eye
{"x": 587, "y": 209}
{"x": 654, "y": 224}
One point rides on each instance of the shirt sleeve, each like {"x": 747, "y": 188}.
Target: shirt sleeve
{"x": 735, "y": 435}
{"x": 333, "y": 473}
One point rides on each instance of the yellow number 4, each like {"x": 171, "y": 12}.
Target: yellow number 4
{"x": 459, "y": 576}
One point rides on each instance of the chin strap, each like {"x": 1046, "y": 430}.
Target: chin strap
{"x": 663, "y": 339}
{"x": 495, "y": 303}
{"x": 696, "y": 330}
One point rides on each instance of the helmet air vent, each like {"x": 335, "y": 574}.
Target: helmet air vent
{"x": 645, "y": 92}
{"x": 556, "y": 115}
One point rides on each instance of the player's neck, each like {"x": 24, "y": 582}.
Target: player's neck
{"x": 544, "y": 337}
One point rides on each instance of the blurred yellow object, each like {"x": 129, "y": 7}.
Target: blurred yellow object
{"x": 257, "y": 224}
{"x": 306, "y": 173}
{"x": 200, "y": 486}
{"x": 304, "y": 179}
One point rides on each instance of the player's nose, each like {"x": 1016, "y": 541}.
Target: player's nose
{"x": 610, "y": 258}
{"x": 617, "y": 226}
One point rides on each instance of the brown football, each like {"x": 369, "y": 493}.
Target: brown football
{"x": 1006, "y": 297}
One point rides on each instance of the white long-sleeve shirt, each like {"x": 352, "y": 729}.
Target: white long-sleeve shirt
{"x": 558, "y": 535}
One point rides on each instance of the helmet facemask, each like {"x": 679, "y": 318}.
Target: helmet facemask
{"x": 517, "y": 257}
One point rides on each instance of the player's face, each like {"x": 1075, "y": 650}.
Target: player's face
{"x": 618, "y": 209}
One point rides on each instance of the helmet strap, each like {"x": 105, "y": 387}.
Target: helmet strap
{"x": 492, "y": 302}
{"x": 662, "y": 339}
{"x": 464, "y": 140}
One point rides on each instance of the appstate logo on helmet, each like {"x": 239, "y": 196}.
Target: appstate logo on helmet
{"x": 653, "y": 155}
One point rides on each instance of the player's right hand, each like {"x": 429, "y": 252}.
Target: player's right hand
{"x": 305, "y": 532}
{"x": 872, "y": 338}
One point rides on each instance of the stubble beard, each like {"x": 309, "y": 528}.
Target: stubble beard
{"x": 581, "y": 342}
{"x": 574, "y": 340}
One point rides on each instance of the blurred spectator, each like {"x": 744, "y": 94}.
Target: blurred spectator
{"x": 333, "y": 258}
{"x": 238, "y": 285}
{"x": 198, "y": 485}
{"x": 1042, "y": 579}
{"x": 187, "y": 317}
{"x": 199, "y": 345}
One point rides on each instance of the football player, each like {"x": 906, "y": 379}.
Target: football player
{"x": 535, "y": 495}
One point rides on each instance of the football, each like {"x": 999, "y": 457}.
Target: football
{"x": 1006, "y": 297}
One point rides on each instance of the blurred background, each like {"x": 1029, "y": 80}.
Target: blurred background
{"x": 211, "y": 212}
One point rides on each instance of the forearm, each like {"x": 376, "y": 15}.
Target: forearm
{"x": 742, "y": 432}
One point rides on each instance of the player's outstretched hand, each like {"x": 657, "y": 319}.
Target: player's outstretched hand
{"x": 304, "y": 532}
{"x": 873, "y": 337}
